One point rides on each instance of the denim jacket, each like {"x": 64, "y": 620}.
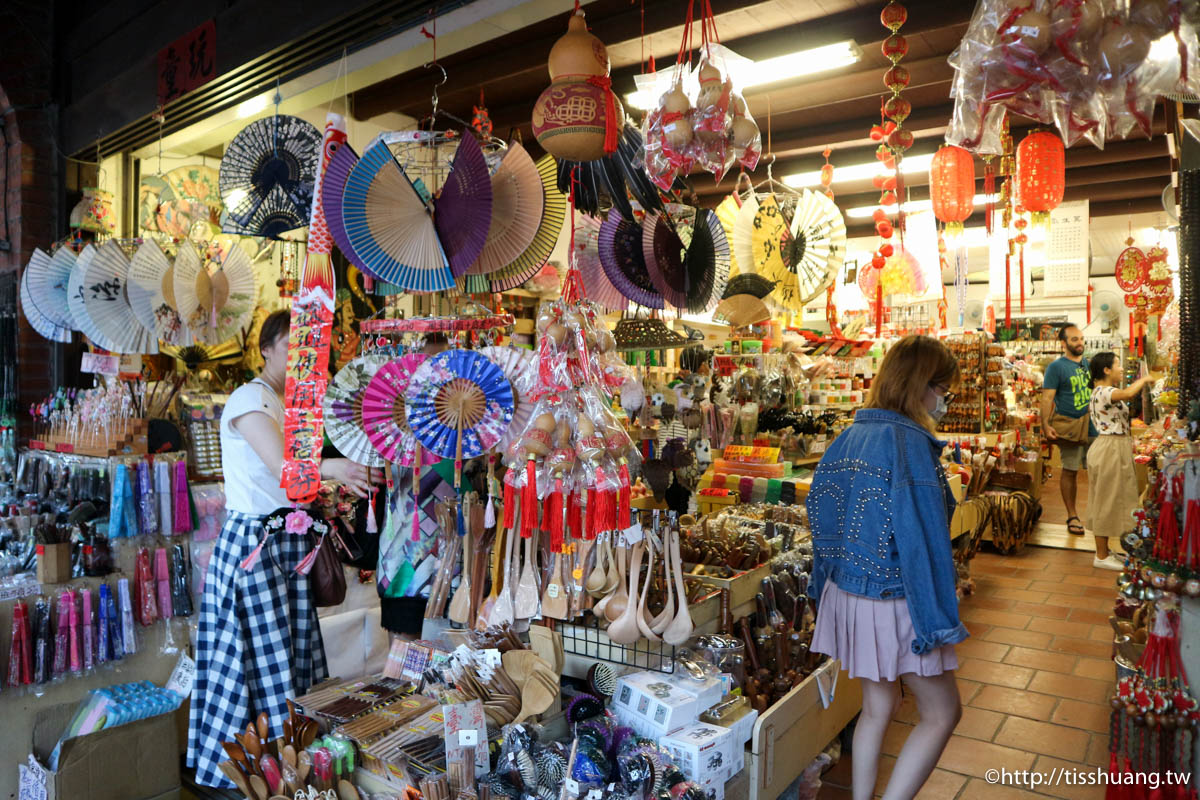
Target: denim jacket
{"x": 880, "y": 509}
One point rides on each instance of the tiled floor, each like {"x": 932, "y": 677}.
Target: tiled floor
{"x": 1034, "y": 678}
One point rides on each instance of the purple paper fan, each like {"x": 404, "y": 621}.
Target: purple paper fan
{"x": 463, "y": 211}
{"x": 332, "y": 185}
{"x": 664, "y": 254}
{"x": 596, "y": 285}
{"x": 623, "y": 262}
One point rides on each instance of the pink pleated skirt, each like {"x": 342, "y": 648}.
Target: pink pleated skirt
{"x": 873, "y": 638}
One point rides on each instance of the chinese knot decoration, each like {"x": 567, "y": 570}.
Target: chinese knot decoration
{"x": 952, "y": 187}
{"x": 1041, "y": 174}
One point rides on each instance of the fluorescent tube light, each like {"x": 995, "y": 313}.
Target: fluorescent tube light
{"x": 857, "y": 172}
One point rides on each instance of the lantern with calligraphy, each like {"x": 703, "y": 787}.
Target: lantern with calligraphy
{"x": 952, "y": 187}
{"x": 1041, "y": 174}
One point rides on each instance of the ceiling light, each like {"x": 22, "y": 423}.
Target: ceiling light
{"x": 863, "y": 212}
{"x": 857, "y": 172}
{"x": 747, "y": 74}
{"x": 252, "y": 106}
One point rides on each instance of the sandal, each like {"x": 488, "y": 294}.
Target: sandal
{"x": 1077, "y": 528}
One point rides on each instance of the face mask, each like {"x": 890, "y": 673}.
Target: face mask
{"x": 940, "y": 409}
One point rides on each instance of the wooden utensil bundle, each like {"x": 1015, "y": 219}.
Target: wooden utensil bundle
{"x": 385, "y": 719}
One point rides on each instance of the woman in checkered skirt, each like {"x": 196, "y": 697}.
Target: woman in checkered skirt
{"x": 258, "y": 641}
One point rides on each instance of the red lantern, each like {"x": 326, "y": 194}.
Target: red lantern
{"x": 897, "y": 108}
{"x": 896, "y": 78}
{"x": 900, "y": 139}
{"x": 1041, "y": 174}
{"x": 952, "y": 187}
{"x": 893, "y": 16}
{"x": 895, "y": 47}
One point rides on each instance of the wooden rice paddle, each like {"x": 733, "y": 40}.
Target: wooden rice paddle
{"x": 554, "y": 599}
{"x": 460, "y": 603}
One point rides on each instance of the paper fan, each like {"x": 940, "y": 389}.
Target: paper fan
{"x": 727, "y": 212}
{"x": 517, "y": 365}
{"x": 215, "y": 306}
{"x": 79, "y": 313}
{"x": 267, "y": 176}
{"x": 389, "y": 226}
{"x": 107, "y": 301}
{"x": 36, "y": 319}
{"x": 596, "y": 285}
{"x": 740, "y": 310}
{"x": 687, "y": 275}
{"x": 47, "y": 277}
{"x": 459, "y": 404}
{"x": 169, "y": 326}
{"x": 818, "y": 246}
{"x": 554, "y": 212}
{"x": 708, "y": 261}
{"x": 624, "y": 262}
{"x": 517, "y": 203}
{"x": 742, "y": 243}
{"x": 462, "y": 213}
{"x": 385, "y": 422}
{"x": 333, "y": 184}
{"x": 343, "y": 407}
{"x": 147, "y": 268}
{"x": 749, "y": 283}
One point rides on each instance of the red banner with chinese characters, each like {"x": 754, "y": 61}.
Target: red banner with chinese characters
{"x": 188, "y": 62}
{"x": 308, "y": 344}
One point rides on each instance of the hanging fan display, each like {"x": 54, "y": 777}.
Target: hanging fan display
{"x": 75, "y": 304}
{"x": 463, "y": 211}
{"x": 749, "y": 283}
{"x": 344, "y": 410}
{"x": 385, "y": 420}
{"x": 147, "y": 267}
{"x": 390, "y": 226}
{"x": 596, "y": 285}
{"x": 802, "y": 256}
{"x": 267, "y": 176}
{"x": 333, "y": 185}
{"x": 742, "y": 243}
{"x": 47, "y": 278}
{"x": 169, "y": 326}
{"x": 459, "y": 404}
{"x": 741, "y": 310}
{"x": 518, "y": 200}
{"x": 217, "y": 305}
{"x": 45, "y": 327}
{"x": 624, "y": 261}
{"x": 727, "y": 213}
{"x": 517, "y": 365}
{"x": 690, "y": 275}
{"x": 107, "y": 301}
{"x": 554, "y": 212}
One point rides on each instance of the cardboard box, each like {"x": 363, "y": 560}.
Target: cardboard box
{"x": 649, "y": 696}
{"x": 708, "y": 692}
{"x": 140, "y": 759}
{"x": 54, "y": 563}
{"x": 703, "y": 752}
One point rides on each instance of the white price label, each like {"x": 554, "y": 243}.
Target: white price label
{"x": 183, "y": 676}
{"x": 633, "y": 534}
{"x": 572, "y": 786}
{"x": 468, "y": 737}
{"x": 491, "y": 657}
{"x": 100, "y": 364}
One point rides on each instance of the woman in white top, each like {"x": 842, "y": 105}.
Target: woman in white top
{"x": 1112, "y": 482}
{"x": 258, "y": 641}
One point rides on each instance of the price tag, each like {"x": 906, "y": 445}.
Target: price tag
{"x": 183, "y": 676}
{"x": 468, "y": 737}
{"x": 594, "y": 794}
{"x": 572, "y": 786}
{"x": 552, "y": 591}
{"x": 633, "y": 534}
{"x": 100, "y": 364}
{"x": 491, "y": 657}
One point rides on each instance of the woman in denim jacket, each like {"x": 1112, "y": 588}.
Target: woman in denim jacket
{"x": 883, "y": 571}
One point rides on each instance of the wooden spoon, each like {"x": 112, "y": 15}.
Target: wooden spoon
{"x": 681, "y": 627}
{"x": 240, "y": 780}
{"x": 460, "y": 604}
{"x": 598, "y": 578}
{"x": 639, "y": 616}
{"x": 625, "y": 630}
{"x": 346, "y": 790}
{"x": 525, "y": 603}
{"x": 259, "y": 785}
{"x": 489, "y": 605}
{"x": 303, "y": 765}
{"x": 619, "y": 600}
{"x": 264, "y": 727}
{"x": 536, "y": 697}
{"x": 660, "y": 623}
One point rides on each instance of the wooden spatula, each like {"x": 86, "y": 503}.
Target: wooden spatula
{"x": 555, "y": 601}
{"x": 525, "y": 602}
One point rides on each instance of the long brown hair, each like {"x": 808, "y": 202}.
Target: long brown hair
{"x": 908, "y": 369}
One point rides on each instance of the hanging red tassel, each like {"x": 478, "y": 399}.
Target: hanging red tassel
{"x": 589, "y": 526}
{"x": 1168, "y": 532}
{"x": 1191, "y": 536}
{"x": 575, "y": 516}
{"x": 1007, "y": 291}
{"x": 554, "y": 511}
{"x": 624, "y": 498}
{"x": 610, "y": 112}
{"x": 510, "y": 503}
{"x": 529, "y": 501}
{"x": 372, "y": 523}
{"x": 879, "y": 307}
{"x": 1022, "y": 279}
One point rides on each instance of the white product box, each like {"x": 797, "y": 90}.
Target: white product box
{"x": 651, "y": 697}
{"x": 703, "y": 752}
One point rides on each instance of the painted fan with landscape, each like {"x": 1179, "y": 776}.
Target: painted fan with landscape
{"x": 216, "y": 302}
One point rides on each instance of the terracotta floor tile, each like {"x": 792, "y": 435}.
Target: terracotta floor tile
{"x": 979, "y": 723}
{"x": 1108, "y": 594}
{"x": 894, "y": 739}
{"x": 1058, "y": 627}
{"x": 1097, "y": 754}
{"x": 839, "y": 773}
{"x": 973, "y": 757}
{"x": 827, "y": 792}
{"x": 1046, "y": 766}
{"x": 967, "y": 689}
{"x": 997, "y": 580}
{"x": 1100, "y": 580}
{"x": 1099, "y": 668}
{"x": 981, "y": 648}
{"x": 1021, "y": 594}
{"x": 1044, "y": 738}
{"x": 1071, "y": 686}
{"x": 978, "y": 789}
{"x": 1003, "y": 619}
{"x": 907, "y": 712}
{"x": 1081, "y": 647}
{"x": 1042, "y": 610}
{"x": 942, "y": 785}
{"x": 1091, "y": 617}
{"x": 993, "y": 570}
{"x": 1041, "y": 659}
{"x": 1048, "y": 584}
{"x": 1015, "y": 701}
{"x": 976, "y": 629}
{"x": 1020, "y": 638}
{"x": 1072, "y": 601}
{"x": 1102, "y": 633}
{"x": 1077, "y": 714}
{"x": 986, "y": 601}
{"x": 989, "y": 672}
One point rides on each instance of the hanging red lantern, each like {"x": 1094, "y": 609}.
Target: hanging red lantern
{"x": 952, "y": 187}
{"x": 895, "y": 47}
{"x": 900, "y": 139}
{"x": 896, "y": 78}
{"x": 893, "y": 16}
{"x": 898, "y": 108}
{"x": 1041, "y": 174}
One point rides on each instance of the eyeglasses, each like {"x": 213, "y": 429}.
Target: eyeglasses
{"x": 946, "y": 393}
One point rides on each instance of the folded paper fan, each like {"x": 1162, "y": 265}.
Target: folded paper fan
{"x": 344, "y": 410}
{"x": 742, "y": 243}
{"x": 463, "y": 211}
{"x": 385, "y": 421}
{"x": 749, "y": 283}
{"x": 75, "y": 293}
{"x": 267, "y": 176}
{"x": 390, "y": 227}
{"x": 47, "y": 278}
{"x": 813, "y": 251}
{"x": 107, "y": 301}
{"x": 216, "y": 306}
{"x": 740, "y": 310}
{"x": 518, "y": 200}
{"x": 690, "y": 276}
{"x": 459, "y": 404}
{"x": 333, "y": 184}
{"x": 147, "y": 268}
{"x": 517, "y": 365}
{"x": 727, "y": 212}
{"x": 554, "y": 212}
{"x": 45, "y": 327}
{"x": 170, "y": 327}
{"x": 707, "y": 262}
{"x": 624, "y": 261}
{"x": 596, "y": 285}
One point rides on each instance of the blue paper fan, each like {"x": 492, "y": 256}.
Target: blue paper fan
{"x": 390, "y": 227}
{"x": 47, "y": 277}
{"x": 459, "y": 404}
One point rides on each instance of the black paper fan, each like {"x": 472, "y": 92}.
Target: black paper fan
{"x": 749, "y": 283}
{"x": 624, "y": 263}
{"x": 689, "y": 276}
{"x": 272, "y": 162}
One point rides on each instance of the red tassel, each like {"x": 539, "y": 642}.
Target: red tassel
{"x": 529, "y": 501}
{"x": 510, "y": 504}
{"x": 623, "y": 501}
{"x": 589, "y": 526}
{"x": 575, "y": 516}
{"x": 554, "y": 523}
{"x": 1191, "y": 529}
{"x": 1168, "y": 532}
{"x": 879, "y": 308}
{"x": 372, "y": 523}
{"x": 610, "y": 112}
{"x": 610, "y": 510}
{"x": 1022, "y": 279}
{"x": 1115, "y": 790}
{"x": 1007, "y": 292}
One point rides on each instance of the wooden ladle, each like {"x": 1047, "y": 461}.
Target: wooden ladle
{"x": 640, "y": 617}
{"x": 660, "y": 623}
{"x": 625, "y": 629}
{"x": 598, "y": 577}
{"x": 618, "y": 599}
{"x": 460, "y": 603}
{"x": 681, "y": 627}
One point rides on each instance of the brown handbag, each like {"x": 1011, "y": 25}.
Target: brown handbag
{"x": 328, "y": 580}
{"x": 1070, "y": 430}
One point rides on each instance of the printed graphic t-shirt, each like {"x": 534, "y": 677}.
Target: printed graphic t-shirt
{"x": 1070, "y": 381}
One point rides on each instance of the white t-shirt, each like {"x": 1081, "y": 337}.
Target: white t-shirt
{"x": 1111, "y": 417}
{"x": 250, "y": 487}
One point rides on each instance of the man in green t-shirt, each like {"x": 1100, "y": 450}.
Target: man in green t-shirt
{"x": 1067, "y": 390}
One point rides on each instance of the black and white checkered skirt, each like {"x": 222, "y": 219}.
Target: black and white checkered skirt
{"x": 258, "y": 641}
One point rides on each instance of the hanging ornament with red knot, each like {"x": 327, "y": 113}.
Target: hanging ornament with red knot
{"x": 482, "y": 122}
{"x": 1021, "y": 239}
{"x": 827, "y": 174}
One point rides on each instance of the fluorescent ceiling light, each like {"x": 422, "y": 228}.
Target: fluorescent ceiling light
{"x": 857, "y": 172}
{"x": 252, "y": 106}
{"x": 747, "y": 74}
{"x": 863, "y": 212}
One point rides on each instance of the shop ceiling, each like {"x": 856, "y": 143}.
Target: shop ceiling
{"x": 835, "y": 108}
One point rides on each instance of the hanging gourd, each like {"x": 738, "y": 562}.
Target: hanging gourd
{"x": 577, "y": 117}
{"x": 1041, "y": 175}
{"x": 952, "y": 187}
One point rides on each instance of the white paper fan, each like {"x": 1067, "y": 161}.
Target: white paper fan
{"x": 819, "y": 224}
{"x": 343, "y": 410}
{"x": 48, "y": 277}
{"x": 146, "y": 270}
{"x": 217, "y": 305}
{"x": 517, "y": 365}
{"x": 36, "y": 319}
{"x": 107, "y": 301}
{"x": 168, "y": 322}
{"x": 79, "y": 313}
{"x": 743, "y": 234}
